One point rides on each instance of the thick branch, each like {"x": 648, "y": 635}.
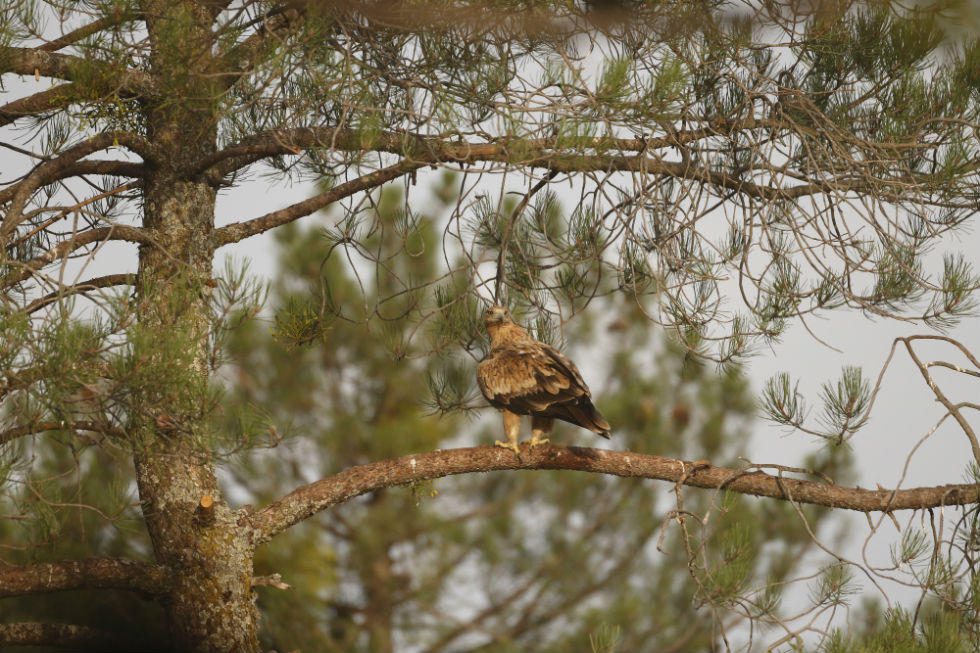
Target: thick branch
{"x": 310, "y": 499}
{"x": 31, "y": 61}
{"x": 292, "y": 141}
{"x": 32, "y": 105}
{"x": 558, "y": 156}
{"x": 92, "y": 573}
{"x": 464, "y": 154}
{"x": 65, "y": 636}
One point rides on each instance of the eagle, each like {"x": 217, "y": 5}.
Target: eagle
{"x": 523, "y": 376}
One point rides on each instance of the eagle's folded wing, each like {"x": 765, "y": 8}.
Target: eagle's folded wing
{"x": 529, "y": 378}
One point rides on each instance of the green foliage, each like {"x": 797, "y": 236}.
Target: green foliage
{"x": 833, "y": 586}
{"x": 845, "y": 406}
{"x": 938, "y": 631}
{"x": 299, "y": 323}
{"x": 782, "y": 401}
{"x": 606, "y": 639}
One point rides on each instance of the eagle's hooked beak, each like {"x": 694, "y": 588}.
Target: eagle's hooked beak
{"x": 496, "y": 315}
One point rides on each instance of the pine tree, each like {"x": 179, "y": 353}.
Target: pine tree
{"x": 386, "y": 579}
{"x": 734, "y": 169}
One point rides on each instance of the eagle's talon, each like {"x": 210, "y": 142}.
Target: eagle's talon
{"x": 513, "y": 446}
{"x": 535, "y": 441}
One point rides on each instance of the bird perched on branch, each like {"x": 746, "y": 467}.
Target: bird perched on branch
{"x": 523, "y": 376}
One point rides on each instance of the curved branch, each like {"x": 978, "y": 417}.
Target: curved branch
{"x": 311, "y": 499}
{"x": 80, "y": 168}
{"x": 102, "y": 234}
{"x": 19, "y": 193}
{"x": 92, "y": 573}
{"x": 107, "y": 281}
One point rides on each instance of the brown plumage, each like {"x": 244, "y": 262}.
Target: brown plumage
{"x": 523, "y": 376}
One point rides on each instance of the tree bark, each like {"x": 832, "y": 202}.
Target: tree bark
{"x": 209, "y": 606}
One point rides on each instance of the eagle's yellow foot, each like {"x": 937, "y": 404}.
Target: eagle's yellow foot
{"x": 535, "y": 441}
{"x": 513, "y": 446}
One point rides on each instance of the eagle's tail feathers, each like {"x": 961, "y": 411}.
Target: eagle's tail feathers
{"x": 588, "y": 416}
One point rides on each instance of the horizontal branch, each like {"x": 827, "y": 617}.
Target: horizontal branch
{"x": 294, "y": 140}
{"x": 58, "y": 636}
{"x": 104, "y": 167}
{"x": 58, "y": 425}
{"x": 80, "y": 168}
{"x": 31, "y": 61}
{"x": 38, "y": 61}
{"x": 559, "y": 155}
{"x": 311, "y": 499}
{"x": 428, "y": 152}
{"x": 92, "y": 573}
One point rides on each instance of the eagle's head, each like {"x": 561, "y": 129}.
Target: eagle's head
{"x": 501, "y": 328}
{"x": 496, "y": 315}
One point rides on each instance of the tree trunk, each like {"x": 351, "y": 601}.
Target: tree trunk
{"x": 210, "y": 607}
{"x": 192, "y": 529}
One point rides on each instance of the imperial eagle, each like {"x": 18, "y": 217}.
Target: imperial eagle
{"x": 523, "y": 376}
